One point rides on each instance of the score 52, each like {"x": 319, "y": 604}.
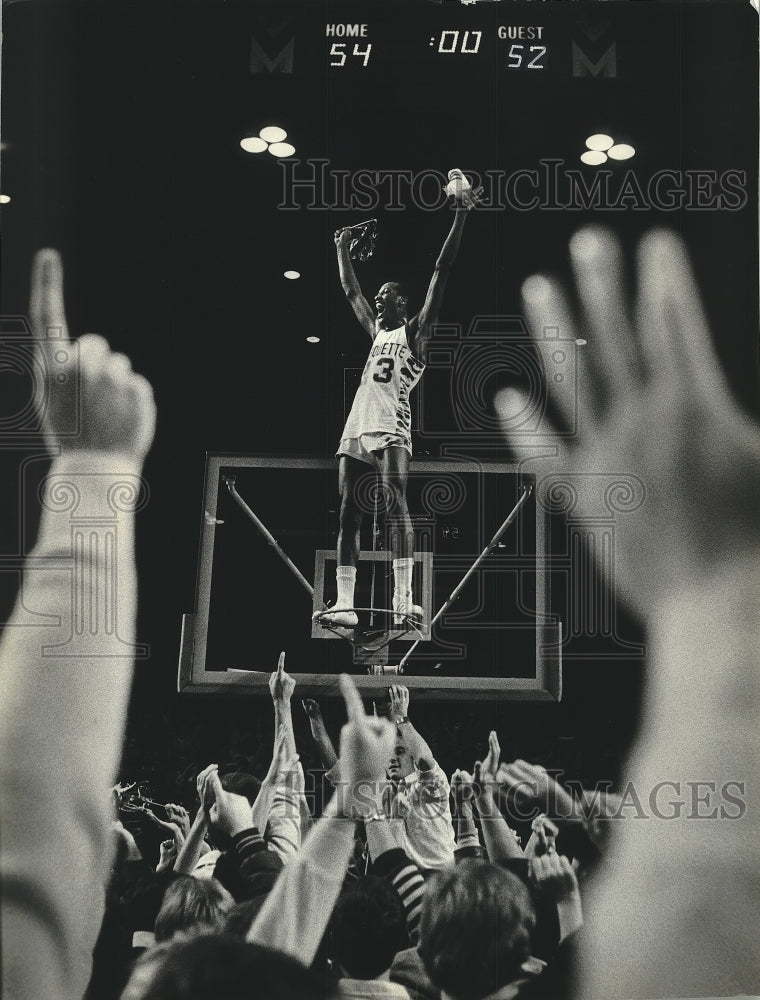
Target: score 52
{"x": 339, "y": 55}
{"x": 526, "y": 56}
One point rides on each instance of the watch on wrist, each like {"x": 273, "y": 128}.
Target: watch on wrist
{"x": 402, "y": 720}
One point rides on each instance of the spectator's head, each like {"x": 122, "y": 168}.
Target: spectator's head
{"x": 192, "y": 907}
{"x": 367, "y": 928}
{"x": 475, "y": 929}
{"x": 401, "y": 764}
{"x": 222, "y": 968}
{"x": 241, "y": 783}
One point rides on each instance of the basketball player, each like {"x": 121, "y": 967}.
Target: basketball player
{"x": 378, "y": 430}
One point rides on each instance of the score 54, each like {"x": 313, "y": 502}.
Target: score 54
{"x": 338, "y": 55}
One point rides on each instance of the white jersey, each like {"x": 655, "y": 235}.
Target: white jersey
{"x": 381, "y": 404}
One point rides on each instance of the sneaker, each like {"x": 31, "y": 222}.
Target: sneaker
{"x": 402, "y": 604}
{"x": 340, "y": 617}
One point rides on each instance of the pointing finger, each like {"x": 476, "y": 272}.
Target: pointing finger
{"x": 354, "y": 707}
{"x": 46, "y": 307}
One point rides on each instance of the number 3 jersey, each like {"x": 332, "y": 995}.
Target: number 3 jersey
{"x": 381, "y": 403}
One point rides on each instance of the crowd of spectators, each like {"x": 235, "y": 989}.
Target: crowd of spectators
{"x": 404, "y": 881}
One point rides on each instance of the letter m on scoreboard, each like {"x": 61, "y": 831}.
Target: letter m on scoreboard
{"x": 273, "y": 48}
{"x": 596, "y": 54}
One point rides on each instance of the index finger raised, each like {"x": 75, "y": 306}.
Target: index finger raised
{"x": 354, "y": 707}
{"x": 46, "y": 307}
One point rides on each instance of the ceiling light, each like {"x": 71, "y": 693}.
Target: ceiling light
{"x": 282, "y": 149}
{"x": 273, "y": 134}
{"x": 581, "y": 342}
{"x": 621, "y": 152}
{"x": 594, "y": 157}
{"x": 312, "y": 340}
{"x": 4, "y": 199}
{"x": 600, "y": 141}
{"x": 252, "y": 144}
{"x": 292, "y": 274}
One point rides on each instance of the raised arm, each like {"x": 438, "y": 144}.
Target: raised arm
{"x": 350, "y": 284}
{"x": 189, "y": 854}
{"x": 65, "y": 690}
{"x": 654, "y": 411}
{"x": 319, "y": 733}
{"x": 499, "y": 838}
{"x": 466, "y": 832}
{"x": 416, "y": 745}
{"x": 281, "y": 687}
{"x": 297, "y": 910}
{"x": 420, "y": 326}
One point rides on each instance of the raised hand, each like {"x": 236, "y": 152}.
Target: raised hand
{"x": 281, "y": 685}
{"x": 228, "y": 813}
{"x": 532, "y": 786}
{"x": 490, "y": 762}
{"x": 366, "y": 742}
{"x": 201, "y": 783}
{"x": 167, "y": 855}
{"x": 179, "y": 815}
{"x": 311, "y": 707}
{"x": 462, "y": 788}
{"x": 553, "y": 876}
{"x": 543, "y": 839}
{"x": 398, "y": 695}
{"x": 89, "y": 397}
{"x": 172, "y": 828}
{"x": 470, "y": 198}
{"x": 653, "y": 413}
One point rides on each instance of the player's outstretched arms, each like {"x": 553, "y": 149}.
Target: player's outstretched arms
{"x": 350, "y": 284}
{"x": 674, "y": 911}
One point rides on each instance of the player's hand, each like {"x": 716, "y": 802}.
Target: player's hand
{"x": 342, "y": 238}
{"x": 89, "y": 397}
{"x": 281, "y": 685}
{"x": 654, "y": 415}
{"x": 398, "y": 696}
{"x": 469, "y": 198}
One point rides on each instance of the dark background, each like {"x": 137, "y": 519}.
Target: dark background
{"x": 121, "y": 125}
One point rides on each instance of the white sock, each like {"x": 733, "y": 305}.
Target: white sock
{"x": 346, "y": 578}
{"x": 402, "y": 574}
